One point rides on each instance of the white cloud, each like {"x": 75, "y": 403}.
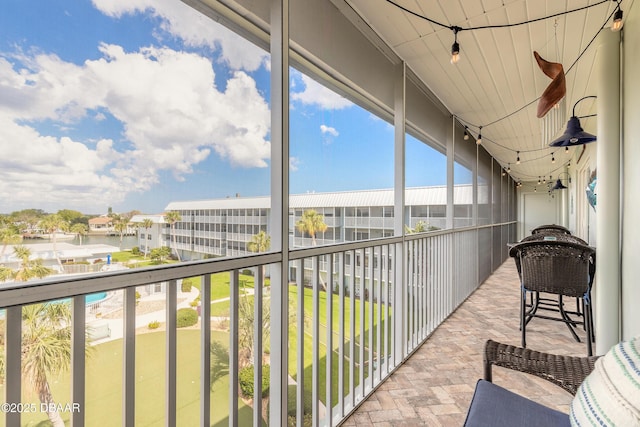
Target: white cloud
{"x": 316, "y": 94}
{"x": 172, "y": 115}
{"x": 195, "y": 29}
{"x": 329, "y": 130}
{"x": 294, "y": 163}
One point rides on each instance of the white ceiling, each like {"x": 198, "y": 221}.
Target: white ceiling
{"x": 497, "y": 82}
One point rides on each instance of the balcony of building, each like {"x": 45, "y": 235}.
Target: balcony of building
{"x": 376, "y": 327}
{"x": 435, "y": 385}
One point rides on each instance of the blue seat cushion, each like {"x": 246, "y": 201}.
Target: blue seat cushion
{"x": 494, "y": 406}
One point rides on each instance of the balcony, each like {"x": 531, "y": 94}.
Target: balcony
{"x": 435, "y": 385}
{"x": 372, "y": 342}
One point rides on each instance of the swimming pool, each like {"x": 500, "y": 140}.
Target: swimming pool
{"x": 91, "y": 298}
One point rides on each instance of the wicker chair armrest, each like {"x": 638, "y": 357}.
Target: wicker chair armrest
{"x": 567, "y": 372}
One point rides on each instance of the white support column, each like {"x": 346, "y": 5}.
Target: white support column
{"x": 607, "y": 284}
{"x": 564, "y": 198}
{"x": 399, "y": 182}
{"x": 631, "y": 202}
{"x": 279, "y": 209}
{"x": 450, "y": 168}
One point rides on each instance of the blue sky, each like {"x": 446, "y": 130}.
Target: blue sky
{"x": 115, "y": 103}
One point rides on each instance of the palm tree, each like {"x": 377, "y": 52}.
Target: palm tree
{"x": 46, "y": 350}
{"x": 5, "y": 273}
{"x": 420, "y": 227}
{"x": 51, "y": 224}
{"x": 9, "y": 235}
{"x": 121, "y": 225}
{"x": 147, "y": 223}
{"x": 260, "y": 242}
{"x": 80, "y": 230}
{"x": 171, "y": 218}
{"x": 29, "y": 268}
{"x": 311, "y": 223}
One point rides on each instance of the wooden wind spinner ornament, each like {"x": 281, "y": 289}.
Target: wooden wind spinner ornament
{"x": 556, "y": 89}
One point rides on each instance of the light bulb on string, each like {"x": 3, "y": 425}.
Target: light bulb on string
{"x": 455, "y": 47}
{"x": 466, "y": 133}
{"x": 479, "y": 140}
{"x": 617, "y": 20}
{"x": 518, "y": 159}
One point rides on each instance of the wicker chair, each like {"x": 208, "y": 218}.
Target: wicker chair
{"x": 550, "y": 228}
{"x": 552, "y": 304}
{"x": 494, "y": 406}
{"x": 557, "y": 267}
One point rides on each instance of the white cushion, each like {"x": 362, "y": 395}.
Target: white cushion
{"x": 610, "y": 395}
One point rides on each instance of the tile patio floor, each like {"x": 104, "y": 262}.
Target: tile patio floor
{"x": 434, "y": 387}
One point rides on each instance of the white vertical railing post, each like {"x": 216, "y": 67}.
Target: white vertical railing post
{"x": 257, "y": 347}
{"x": 300, "y": 343}
{"x": 205, "y": 340}
{"x": 341, "y": 334}
{"x": 234, "y": 297}
{"x": 78, "y": 344}
{"x": 171, "y": 352}
{"x": 399, "y": 284}
{"x": 129, "y": 359}
{"x": 329, "y": 342}
{"x": 279, "y": 34}
{"x": 13, "y": 364}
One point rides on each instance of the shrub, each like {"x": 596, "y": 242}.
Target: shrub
{"x": 186, "y": 317}
{"x": 307, "y": 420}
{"x": 245, "y": 378}
{"x": 154, "y": 324}
{"x": 194, "y": 303}
{"x": 187, "y": 284}
{"x": 135, "y": 250}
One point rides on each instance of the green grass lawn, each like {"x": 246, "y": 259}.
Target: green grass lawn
{"x": 104, "y": 385}
{"x": 308, "y": 342}
{"x": 104, "y": 368}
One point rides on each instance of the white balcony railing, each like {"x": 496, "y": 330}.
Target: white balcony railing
{"x": 355, "y": 312}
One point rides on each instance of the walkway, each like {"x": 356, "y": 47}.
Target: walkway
{"x": 434, "y": 387}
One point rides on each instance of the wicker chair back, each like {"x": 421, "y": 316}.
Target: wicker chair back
{"x": 554, "y": 266}
{"x": 550, "y": 228}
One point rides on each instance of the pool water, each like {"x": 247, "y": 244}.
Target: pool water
{"x": 91, "y": 298}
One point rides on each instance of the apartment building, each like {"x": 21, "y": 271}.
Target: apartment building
{"x": 223, "y": 227}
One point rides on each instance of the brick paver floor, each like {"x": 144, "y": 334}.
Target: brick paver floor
{"x": 434, "y": 387}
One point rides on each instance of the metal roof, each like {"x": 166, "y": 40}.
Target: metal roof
{"x": 419, "y": 196}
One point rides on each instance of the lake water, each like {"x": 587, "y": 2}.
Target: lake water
{"x": 128, "y": 242}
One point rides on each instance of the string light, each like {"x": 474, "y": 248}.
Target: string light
{"x": 518, "y": 159}
{"x": 455, "y": 47}
{"x": 466, "y": 133}
{"x": 617, "y": 19}
{"x": 508, "y": 167}
{"x": 553, "y": 158}
{"x": 538, "y": 180}
{"x": 566, "y": 150}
